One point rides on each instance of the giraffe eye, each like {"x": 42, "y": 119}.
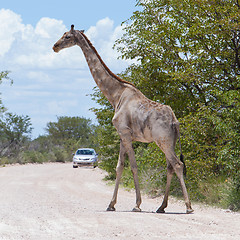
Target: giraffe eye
{"x": 67, "y": 37}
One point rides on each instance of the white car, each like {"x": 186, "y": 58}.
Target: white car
{"x": 85, "y": 156}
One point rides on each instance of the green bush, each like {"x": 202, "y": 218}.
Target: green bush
{"x": 233, "y": 197}
{"x": 61, "y": 155}
{"x": 31, "y": 157}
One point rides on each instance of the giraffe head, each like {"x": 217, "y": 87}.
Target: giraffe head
{"x": 67, "y": 40}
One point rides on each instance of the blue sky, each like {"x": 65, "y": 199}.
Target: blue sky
{"x": 46, "y": 84}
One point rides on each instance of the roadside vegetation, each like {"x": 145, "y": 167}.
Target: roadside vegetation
{"x": 62, "y": 138}
{"x": 17, "y": 147}
{"x": 187, "y": 55}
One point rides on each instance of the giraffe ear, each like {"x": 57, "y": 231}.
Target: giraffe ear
{"x": 82, "y": 31}
{"x": 72, "y": 28}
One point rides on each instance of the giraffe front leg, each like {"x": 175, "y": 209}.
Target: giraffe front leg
{"x": 133, "y": 164}
{"x": 119, "y": 170}
{"x": 126, "y": 144}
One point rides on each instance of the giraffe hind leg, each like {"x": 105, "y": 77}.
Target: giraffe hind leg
{"x": 178, "y": 167}
{"x": 174, "y": 165}
{"x": 170, "y": 172}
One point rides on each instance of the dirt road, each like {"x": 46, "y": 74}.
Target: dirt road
{"x": 57, "y": 202}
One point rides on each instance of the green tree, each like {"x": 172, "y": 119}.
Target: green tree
{"x": 187, "y": 56}
{"x": 63, "y": 138}
{"x": 186, "y": 50}
{"x": 14, "y": 132}
{"x": 3, "y": 75}
{"x": 71, "y": 129}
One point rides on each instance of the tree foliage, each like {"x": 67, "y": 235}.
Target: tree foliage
{"x": 186, "y": 49}
{"x": 14, "y": 132}
{"x": 187, "y": 55}
{"x": 14, "y": 129}
{"x": 70, "y": 133}
{"x": 63, "y": 137}
{"x": 77, "y": 128}
{"x": 3, "y": 75}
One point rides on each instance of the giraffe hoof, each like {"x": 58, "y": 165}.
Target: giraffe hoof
{"x": 189, "y": 211}
{"x": 111, "y": 209}
{"x": 160, "y": 211}
{"x": 136, "y": 209}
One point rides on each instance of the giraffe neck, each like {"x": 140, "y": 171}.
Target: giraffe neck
{"x": 109, "y": 84}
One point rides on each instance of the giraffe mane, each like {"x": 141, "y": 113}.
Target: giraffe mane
{"x": 105, "y": 66}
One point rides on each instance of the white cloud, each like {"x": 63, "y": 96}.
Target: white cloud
{"x": 10, "y": 23}
{"x": 29, "y": 47}
{"x": 38, "y": 76}
{"x": 47, "y": 84}
{"x": 24, "y": 46}
{"x": 49, "y": 28}
{"x": 103, "y": 36}
{"x": 61, "y": 107}
{"x": 102, "y": 29}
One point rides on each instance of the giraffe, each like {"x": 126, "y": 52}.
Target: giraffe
{"x": 136, "y": 118}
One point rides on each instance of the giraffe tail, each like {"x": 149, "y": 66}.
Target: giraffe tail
{"x": 181, "y": 155}
{"x": 184, "y": 165}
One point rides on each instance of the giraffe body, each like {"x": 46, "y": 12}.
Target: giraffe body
{"x": 136, "y": 118}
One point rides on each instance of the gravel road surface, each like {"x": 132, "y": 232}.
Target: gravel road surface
{"x": 56, "y": 202}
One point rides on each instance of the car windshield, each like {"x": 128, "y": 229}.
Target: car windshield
{"x": 85, "y": 152}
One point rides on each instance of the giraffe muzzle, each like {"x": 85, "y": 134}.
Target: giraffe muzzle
{"x": 55, "y": 48}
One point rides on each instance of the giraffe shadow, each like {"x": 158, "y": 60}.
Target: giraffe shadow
{"x": 147, "y": 212}
{"x": 174, "y": 213}
{"x": 166, "y": 213}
